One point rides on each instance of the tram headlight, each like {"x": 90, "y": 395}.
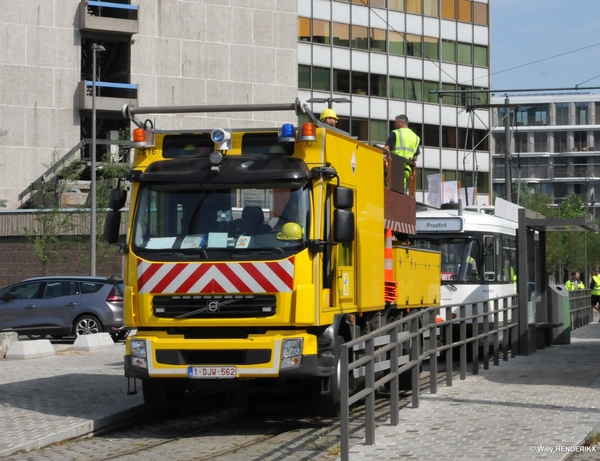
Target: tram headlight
{"x": 291, "y": 352}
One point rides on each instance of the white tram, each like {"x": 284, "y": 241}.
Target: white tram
{"x": 479, "y": 253}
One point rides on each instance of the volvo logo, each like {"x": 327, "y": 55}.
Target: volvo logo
{"x": 211, "y": 306}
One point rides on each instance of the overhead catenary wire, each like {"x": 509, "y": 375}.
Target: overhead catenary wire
{"x": 441, "y": 92}
{"x": 548, "y": 58}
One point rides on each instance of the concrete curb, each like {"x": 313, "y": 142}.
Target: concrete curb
{"x": 35, "y": 349}
{"x": 95, "y": 342}
{"x": 7, "y": 340}
{"x": 85, "y": 428}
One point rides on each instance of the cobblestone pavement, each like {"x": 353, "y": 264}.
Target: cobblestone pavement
{"x": 52, "y": 399}
{"x": 541, "y": 406}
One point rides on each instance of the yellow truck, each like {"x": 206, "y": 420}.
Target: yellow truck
{"x": 253, "y": 254}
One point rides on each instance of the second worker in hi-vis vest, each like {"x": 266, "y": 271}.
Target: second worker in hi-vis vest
{"x": 403, "y": 142}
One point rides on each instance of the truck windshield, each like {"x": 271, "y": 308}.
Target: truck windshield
{"x": 192, "y": 221}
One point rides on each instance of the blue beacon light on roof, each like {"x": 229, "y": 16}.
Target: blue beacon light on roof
{"x": 287, "y": 133}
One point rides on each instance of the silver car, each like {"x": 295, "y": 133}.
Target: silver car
{"x": 63, "y": 306}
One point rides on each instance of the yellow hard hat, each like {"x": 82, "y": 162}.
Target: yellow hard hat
{"x": 290, "y": 231}
{"x": 329, "y": 113}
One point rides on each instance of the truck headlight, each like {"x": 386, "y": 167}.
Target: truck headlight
{"x": 138, "y": 348}
{"x": 291, "y": 353}
{"x": 138, "y": 353}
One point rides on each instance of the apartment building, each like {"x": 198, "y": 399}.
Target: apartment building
{"x": 386, "y": 57}
{"x": 553, "y": 142}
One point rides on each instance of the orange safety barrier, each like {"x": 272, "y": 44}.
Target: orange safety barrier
{"x": 390, "y": 285}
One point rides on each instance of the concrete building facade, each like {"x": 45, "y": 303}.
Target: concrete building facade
{"x": 385, "y": 56}
{"x": 554, "y": 144}
{"x": 157, "y": 52}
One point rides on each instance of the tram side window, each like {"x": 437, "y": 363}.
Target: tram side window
{"x": 469, "y": 270}
{"x": 489, "y": 255}
{"x": 509, "y": 259}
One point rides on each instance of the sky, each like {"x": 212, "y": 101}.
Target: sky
{"x": 545, "y": 44}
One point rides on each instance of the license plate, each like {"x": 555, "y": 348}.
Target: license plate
{"x": 211, "y": 372}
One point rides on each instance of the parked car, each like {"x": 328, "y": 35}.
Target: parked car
{"x": 63, "y": 306}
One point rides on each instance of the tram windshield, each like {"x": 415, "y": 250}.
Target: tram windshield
{"x": 461, "y": 257}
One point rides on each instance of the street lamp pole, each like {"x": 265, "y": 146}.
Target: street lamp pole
{"x": 95, "y": 48}
{"x": 507, "y": 138}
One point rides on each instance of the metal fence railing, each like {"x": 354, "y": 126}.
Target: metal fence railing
{"x": 384, "y": 356}
{"x": 582, "y": 311}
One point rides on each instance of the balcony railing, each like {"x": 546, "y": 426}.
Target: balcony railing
{"x": 109, "y": 96}
{"x": 527, "y": 172}
{"x": 562, "y": 172}
{"x": 117, "y": 18}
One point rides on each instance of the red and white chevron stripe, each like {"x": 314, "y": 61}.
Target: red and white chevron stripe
{"x": 401, "y": 227}
{"x": 231, "y": 277}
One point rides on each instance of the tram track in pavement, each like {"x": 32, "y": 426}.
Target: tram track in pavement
{"x": 274, "y": 431}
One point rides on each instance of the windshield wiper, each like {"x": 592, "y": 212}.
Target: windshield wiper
{"x": 256, "y": 251}
{"x": 195, "y": 253}
{"x": 270, "y": 250}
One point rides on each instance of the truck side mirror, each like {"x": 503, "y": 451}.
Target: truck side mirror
{"x": 343, "y": 226}
{"x": 117, "y": 199}
{"x": 343, "y": 197}
{"x": 343, "y": 216}
{"x": 112, "y": 224}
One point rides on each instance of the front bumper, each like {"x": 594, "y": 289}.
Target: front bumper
{"x": 257, "y": 356}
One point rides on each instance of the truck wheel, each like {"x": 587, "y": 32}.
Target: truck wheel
{"x": 326, "y": 391}
{"x": 161, "y": 397}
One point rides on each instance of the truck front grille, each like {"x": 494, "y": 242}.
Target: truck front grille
{"x": 213, "y": 307}
{"x": 210, "y": 357}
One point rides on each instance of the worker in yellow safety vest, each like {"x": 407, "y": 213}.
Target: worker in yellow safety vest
{"x": 595, "y": 287}
{"x": 403, "y": 142}
{"x": 513, "y": 275}
{"x": 574, "y": 283}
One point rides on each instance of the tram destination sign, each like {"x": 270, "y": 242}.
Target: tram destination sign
{"x": 439, "y": 224}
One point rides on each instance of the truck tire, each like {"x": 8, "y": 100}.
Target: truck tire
{"x": 161, "y": 397}
{"x": 326, "y": 391}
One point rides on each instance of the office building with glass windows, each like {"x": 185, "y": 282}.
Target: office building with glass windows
{"x": 390, "y": 57}
{"x": 553, "y": 144}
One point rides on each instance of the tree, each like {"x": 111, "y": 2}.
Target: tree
{"x": 566, "y": 251}
{"x": 109, "y": 175}
{"x": 522, "y": 194}
{"x": 112, "y": 168}
{"x": 50, "y": 222}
